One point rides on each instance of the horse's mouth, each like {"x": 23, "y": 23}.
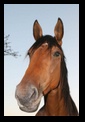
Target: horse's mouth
{"x": 29, "y": 109}
{"x": 30, "y": 106}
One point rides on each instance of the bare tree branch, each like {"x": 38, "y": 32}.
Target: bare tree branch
{"x": 7, "y": 48}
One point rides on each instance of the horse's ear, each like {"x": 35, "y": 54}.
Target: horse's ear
{"x": 59, "y": 31}
{"x": 37, "y": 30}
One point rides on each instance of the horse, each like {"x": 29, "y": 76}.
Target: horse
{"x": 47, "y": 76}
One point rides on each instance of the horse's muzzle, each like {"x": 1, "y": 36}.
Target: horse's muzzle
{"x": 28, "y": 99}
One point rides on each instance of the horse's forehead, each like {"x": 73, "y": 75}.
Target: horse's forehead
{"x": 44, "y": 41}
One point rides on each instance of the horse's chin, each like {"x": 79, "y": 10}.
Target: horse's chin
{"x": 29, "y": 109}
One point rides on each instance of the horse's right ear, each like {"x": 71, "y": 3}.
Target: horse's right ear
{"x": 37, "y": 30}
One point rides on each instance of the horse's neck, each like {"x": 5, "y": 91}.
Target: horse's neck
{"x": 55, "y": 104}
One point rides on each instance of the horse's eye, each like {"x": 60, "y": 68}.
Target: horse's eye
{"x": 56, "y": 54}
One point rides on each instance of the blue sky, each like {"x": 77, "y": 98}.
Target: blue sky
{"x": 18, "y": 22}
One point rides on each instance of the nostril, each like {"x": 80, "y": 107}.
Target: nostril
{"x": 27, "y": 94}
{"x": 34, "y": 92}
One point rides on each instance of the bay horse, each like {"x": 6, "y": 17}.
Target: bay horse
{"x": 46, "y": 76}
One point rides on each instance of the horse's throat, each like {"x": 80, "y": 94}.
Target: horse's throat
{"x": 55, "y": 104}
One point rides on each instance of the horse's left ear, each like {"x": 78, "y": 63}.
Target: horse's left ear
{"x": 37, "y": 30}
{"x": 59, "y": 31}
